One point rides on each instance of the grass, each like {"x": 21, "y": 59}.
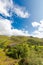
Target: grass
{"x": 10, "y": 61}
{"x": 5, "y": 60}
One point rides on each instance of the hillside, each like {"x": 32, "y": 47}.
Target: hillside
{"x": 15, "y": 49}
{"x": 21, "y": 39}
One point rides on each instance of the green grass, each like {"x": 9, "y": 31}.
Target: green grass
{"x": 5, "y": 60}
{"x": 14, "y": 40}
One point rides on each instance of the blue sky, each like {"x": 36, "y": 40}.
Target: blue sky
{"x": 21, "y": 17}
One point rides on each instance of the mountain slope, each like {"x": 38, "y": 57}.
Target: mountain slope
{"x": 20, "y": 39}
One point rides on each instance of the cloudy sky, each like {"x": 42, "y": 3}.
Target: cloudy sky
{"x": 21, "y": 18}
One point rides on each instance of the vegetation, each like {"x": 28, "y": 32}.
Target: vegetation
{"x": 17, "y": 50}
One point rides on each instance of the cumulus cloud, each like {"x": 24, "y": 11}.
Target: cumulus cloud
{"x": 17, "y": 32}
{"x": 7, "y": 29}
{"x": 4, "y": 7}
{"x": 39, "y": 31}
{"x": 21, "y": 12}
{"x": 8, "y": 7}
{"x": 35, "y": 24}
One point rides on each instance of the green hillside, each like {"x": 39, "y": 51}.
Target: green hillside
{"x": 20, "y": 39}
{"x": 15, "y": 50}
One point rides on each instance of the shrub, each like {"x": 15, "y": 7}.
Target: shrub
{"x": 18, "y": 51}
{"x": 30, "y": 61}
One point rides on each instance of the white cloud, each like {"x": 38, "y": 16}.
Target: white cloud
{"x": 21, "y": 12}
{"x": 7, "y": 29}
{"x": 39, "y": 31}
{"x": 35, "y": 24}
{"x": 6, "y": 6}
{"x": 5, "y": 24}
{"x": 17, "y": 32}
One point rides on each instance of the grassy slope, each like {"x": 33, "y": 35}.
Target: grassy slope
{"x": 6, "y": 60}
{"x": 19, "y": 39}
{"x": 15, "y": 40}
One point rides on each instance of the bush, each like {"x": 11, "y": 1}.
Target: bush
{"x": 36, "y": 48}
{"x": 18, "y": 51}
{"x": 30, "y": 61}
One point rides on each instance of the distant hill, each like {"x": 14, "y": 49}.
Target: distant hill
{"x": 20, "y": 39}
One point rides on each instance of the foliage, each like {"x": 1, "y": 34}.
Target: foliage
{"x": 30, "y": 61}
{"x": 18, "y": 51}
